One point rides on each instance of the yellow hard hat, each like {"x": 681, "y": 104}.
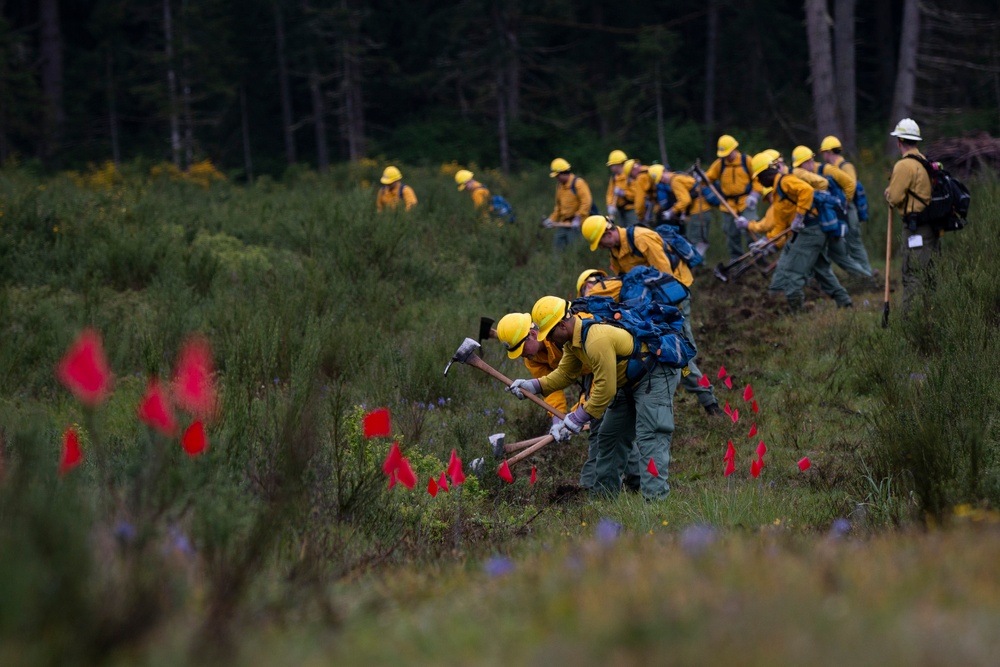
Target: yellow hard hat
{"x": 548, "y": 312}
{"x": 775, "y": 155}
{"x": 512, "y": 330}
{"x": 585, "y": 275}
{"x": 727, "y": 144}
{"x": 768, "y": 191}
{"x": 462, "y": 176}
{"x": 801, "y": 154}
{"x": 760, "y": 162}
{"x": 627, "y": 166}
{"x": 656, "y": 172}
{"x": 593, "y": 229}
{"x": 390, "y": 175}
{"x": 829, "y": 143}
{"x": 616, "y": 157}
{"x": 558, "y": 166}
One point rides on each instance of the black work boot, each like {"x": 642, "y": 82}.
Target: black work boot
{"x": 713, "y": 410}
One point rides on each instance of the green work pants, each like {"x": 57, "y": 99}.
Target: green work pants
{"x": 564, "y": 236}
{"x": 588, "y": 474}
{"x": 804, "y": 256}
{"x": 628, "y": 217}
{"x": 918, "y": 277}
{"x": 855, "y": 245}
{"x": 736, "y": 239}
{"x": 697, "y": 231}
{"x": 643, "y": 416}
{"x": 706, "y": 396}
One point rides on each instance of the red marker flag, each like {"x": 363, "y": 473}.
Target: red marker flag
{"x": 405, "y": 474}
{"x": 72, "y": 456}
{"x": 704, "y": 382}
{"x": 155, "y": 410}
{"x": 747, "y": 393}
{"x": 735, "y": 416}
{"x": 504, "y": 473}
{"x": 753, "y": 430}
{"x": 760, "y": 462}
{"x": 392, "y": 460}
{"x": 193, "y": 385}
{"x": 761, "y": 449}
{"x": 651, "y": 468}
{"x": 455, "y": 469}
{"x": 376, "y": 423}
{"x": 443, "y": 482}
{"x": 804, "y": 463}
{"x": 194, "y": 441}
{"x": 722, "y": 372}
{"x": 729, "y": 382}
{"x": 432, "y": 487}
{"x": 728, "y": 410}
{"x": 84, "y": 369}
{"x": 534, "y": 476}
{"x": 754, "y": 406}
{"x": 392, "y": 479}
{"x": 754, "y": 469}
{"x": 730, "y": 467}
{"x": 730, "y": 452}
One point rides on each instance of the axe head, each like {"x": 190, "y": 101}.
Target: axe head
{"x": 468, "y": 348}
{"x": 485, "y": 327}
{"x": 477, "y": 466}
{"x": 497, "y": 442}
{"x": 719, "y": 272}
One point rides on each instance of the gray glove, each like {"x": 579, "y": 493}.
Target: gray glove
{"x": 619, "y": 192}
{"x": 798, "y": 222}
{"x": 612, "y": 211}
{"x": 575, "y": 222}
{"x": 667, "y": 215}
{"x": 741, "y": 222}
{"x": 764, "y": 246}
{"x": 576, "y": 420}
{"x": 752, "y": 199}
{"x": 559, "y": 432}
{"x": 518, "y": 387}
{"x": 548, "y": 223}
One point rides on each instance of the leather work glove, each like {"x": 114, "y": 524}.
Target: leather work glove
{"x": 548, "y": 223}
{"x": 798, "y": 222}
{"x": 559, "y": 432}
{"x": 752, "y": 199}
{"x": 575, "y": 222}
{"x": 741, "y": 222}
{"x": 518, "y": 387}
{"x": 612, "y": 211}
{"x": 667, "y": 215}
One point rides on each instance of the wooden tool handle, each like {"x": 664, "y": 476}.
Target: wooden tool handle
{"x": 518, "y": 446}
{"x": 477, "y": 362}
{"x": 530, "y": 450}
{"x": 888, "y": 258}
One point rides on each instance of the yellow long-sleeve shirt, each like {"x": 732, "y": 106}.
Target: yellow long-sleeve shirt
{"x": 766, "y": 225}
{"x": 389, "y": 196}
{"x": 570, "y": 204}
{"x": 845, "y": 167}
{"x": 908, "y": 176}
{"x": 606, "y": 345}
{"x": 480, "y": 194}
{"x": 798, "y": 198}
{"x": 815, "y": 180}
{"x": 624, "y": 202}
{"x": 649, "y": 244}
{"x": 681, "y": 185}
{"x": 734, "y": 179}
{"x": 541, "y": 364}
{"x": 643, "y": 190}
{"x": 848, "y": 184}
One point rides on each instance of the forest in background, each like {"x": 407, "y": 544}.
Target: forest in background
{"x": 256, "y": 86}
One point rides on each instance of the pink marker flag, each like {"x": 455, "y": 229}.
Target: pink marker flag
{"x": 651, "y": 468}
{"x": 405, "y": 474}
{"x": 376, "y": 423}
{"x": 760, "y": 462}
{"x": 432, "y": 487}
{"x": 753, "y": 430}
{"x": 504, "y": 473}
{"x": 804, "y": 463}
{"x": 194, "y": 383}
{"x": 728, "y": 410}
{"x": 704, "y": 382}
{"x": 443, "y": 482}
{"x": 754, "y": 406}
{"x": 155, "y": 409}
{"x": 392, "y": 479}
{"x": 455, "y": 469}
{"x": 729, "y": 382}
{"x": 84, "y": 369}
{"x": 392, "y": 460}
{"x": 761, "y": 449}
{"x": 748, "y": 393}
{"x": 754, "y": 469}
{"x": 534, "y": 476}
{"x": 72, "y": 456}
{"x": 730, "y": 467}
{"x": 735, "y": 416}
{"x": 730, "y": 452}
{"x": 722, "y": 372}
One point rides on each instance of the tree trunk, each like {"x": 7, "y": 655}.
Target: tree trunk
{"x": 886, "y": 30}
{"x": 843, "y": 30}
{"x": 175, "y": 126}
{"x": 353, "y": 100}
{"x": 821, "y": 67}
{"x": 319, "y": 121}
{"x": 502, "y": 61}
{"x": 660, "y": 137}
{"x": 188, "y": 141}
{"x": 112, "y": 107}
{"x": 502, "y": 124}
{"x": 245, "y": 123}
{"x": 51, "y": 52}
{"x": 906, "y": 72}
{"x": 513, "y": 105}
{"x": 284, "y": 87}
{"x": 711, "y": 46}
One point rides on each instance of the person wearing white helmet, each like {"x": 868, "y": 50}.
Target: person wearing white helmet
{"x": 909, "y": 191}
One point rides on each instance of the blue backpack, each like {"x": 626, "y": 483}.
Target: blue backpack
{"x": 500, "y": 208}
{"x": 661, "y": 328}
{"x": 593, "y": 206}
{"x": 645, "y": 283}
{"x": 861, "y": 202}
{"x": 675, "y": 246}
{"x": 827, "y": 210}
{"x": 834, "y": 187}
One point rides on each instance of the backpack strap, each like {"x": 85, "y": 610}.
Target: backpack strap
{"x": 930, "y": 176}
{"x": 630, "y": 235}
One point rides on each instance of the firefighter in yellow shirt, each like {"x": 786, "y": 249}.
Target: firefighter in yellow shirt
{"x": 619, "y": 198}
{"x": 732, "y": 173}
{"x": 679, "y": 201}
{"x": 909, "y": 191}
{"x": 642, "y": 190}
{"x": 831, "y": 151}
{"x": 574, "y": 202}
{"x": 480, "y": 193}
{"x": 393, "y": 190}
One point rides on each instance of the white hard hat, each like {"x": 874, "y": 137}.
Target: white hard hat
{"x": 907, "y": 129}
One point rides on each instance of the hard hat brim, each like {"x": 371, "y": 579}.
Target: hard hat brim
{"x": 388, "y": 181}
{"x": 462, "y": 186}
{"x": 905, "y": 135}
